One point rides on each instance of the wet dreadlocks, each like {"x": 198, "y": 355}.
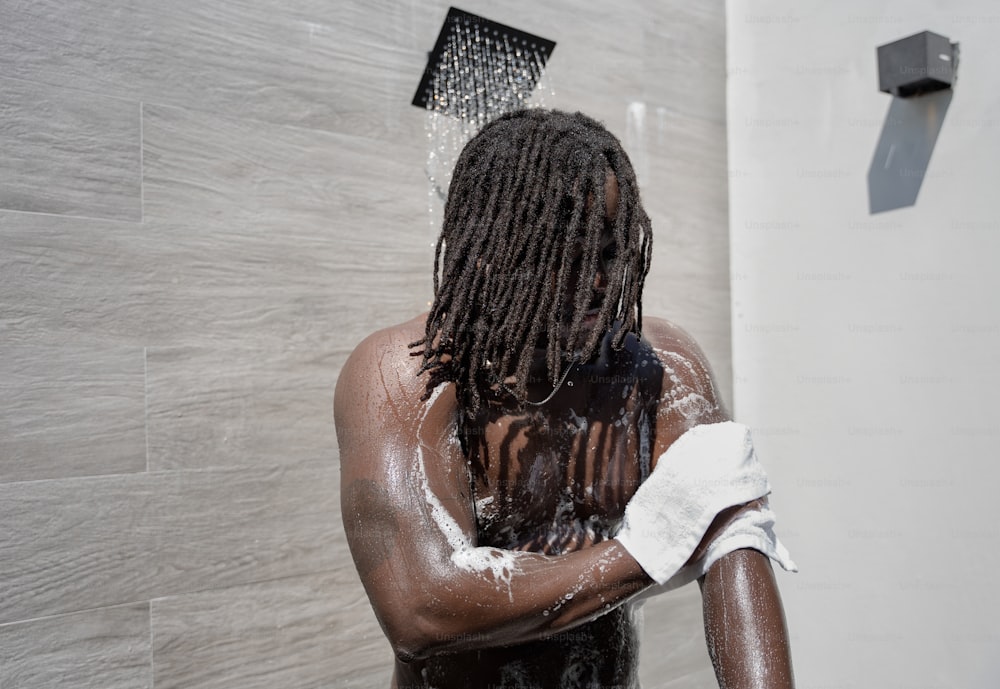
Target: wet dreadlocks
{"x": 525, "y": 189}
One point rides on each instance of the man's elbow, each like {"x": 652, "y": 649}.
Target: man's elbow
{"x": 417, "y": 635}
{"x": 406, "y": 653}
{"x": 409, "y": 647}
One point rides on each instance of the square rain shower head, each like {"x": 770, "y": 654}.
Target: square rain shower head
{"x": 480, "y": 69}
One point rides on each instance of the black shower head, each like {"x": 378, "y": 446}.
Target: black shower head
{"x": 480, "y": 68}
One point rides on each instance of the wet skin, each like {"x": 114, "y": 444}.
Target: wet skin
{"x": 541, "y": 488}
{"x": 546, "y": 484}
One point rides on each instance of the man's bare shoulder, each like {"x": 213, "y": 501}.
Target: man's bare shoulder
{"x": 386, "y": 351}
{"x": 382, "y": 373}
{"x": 691, "y": 391}
{"x": 395, "y": 337}
{"x": 668, "y": 336}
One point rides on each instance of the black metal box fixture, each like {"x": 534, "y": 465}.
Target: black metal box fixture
{"x": 917, "y": 64}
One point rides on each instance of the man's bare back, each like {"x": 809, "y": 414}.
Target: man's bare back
{"x": 553, "y": 479}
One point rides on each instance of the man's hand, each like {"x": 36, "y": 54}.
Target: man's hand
{"x": 710, "y": 468}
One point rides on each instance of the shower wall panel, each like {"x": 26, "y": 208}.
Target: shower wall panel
{"x": 203, "y": 208}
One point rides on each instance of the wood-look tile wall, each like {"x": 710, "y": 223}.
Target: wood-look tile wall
{"x": 203, "y": 207}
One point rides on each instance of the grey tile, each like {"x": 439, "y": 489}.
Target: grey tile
{"x": 673, "y": 652}
{"x": 213, "y": 170}
{"x": 99, "y": 284}
{"x": 83, "y": 543}
{"x": 598, "y": 46}
{"x": 232, "y": 407}
{"x": 296, "y": 228}
{"x": 69, "y": 153}
{"x": 309, "y": 631}
{"x": 106, "y": 648}
{"x": 68, "y": 280}
{"x": 685, "y": 193}
{"x": 684, "y": 57}
{"x": 71, "y": 411}
{"x": 312, "y": 289}
{"x": 347, "y": 66}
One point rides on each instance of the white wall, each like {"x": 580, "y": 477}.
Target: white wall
{"x": 865, "y": 345}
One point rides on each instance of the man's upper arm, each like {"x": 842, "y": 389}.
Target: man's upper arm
{"x": 690, "y": 396}
{"x": 688, "y": 376}
{"x": 402, "y": 486}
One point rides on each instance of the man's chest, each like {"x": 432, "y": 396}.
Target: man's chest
{"x": 556, "y": 480}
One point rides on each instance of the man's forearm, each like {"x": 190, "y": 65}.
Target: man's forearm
{"x": 745, "y": 623}
{"x": 468, "y": 610}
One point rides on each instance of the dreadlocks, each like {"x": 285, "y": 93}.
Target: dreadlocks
{"x": 525, "y": 189}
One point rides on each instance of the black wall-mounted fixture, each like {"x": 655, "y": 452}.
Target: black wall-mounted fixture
{"x": 917, "y": 64}
{"x": 503, "y": 60}
{"x": 925, "y": 65}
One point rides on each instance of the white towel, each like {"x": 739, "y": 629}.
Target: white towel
{"x": 709, "y": 468}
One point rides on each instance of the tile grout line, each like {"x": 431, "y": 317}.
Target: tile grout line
{"x": 178, "y": 594}
{"x": 152, "y": 673}
{"x": 142, "y": 168}
{"x": 145, "y": 400}
{"x": 70, "y": 613}
{"x": 71, "y": 217}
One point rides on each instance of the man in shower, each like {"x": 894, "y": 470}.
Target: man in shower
{"x": 525, "y": 463}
